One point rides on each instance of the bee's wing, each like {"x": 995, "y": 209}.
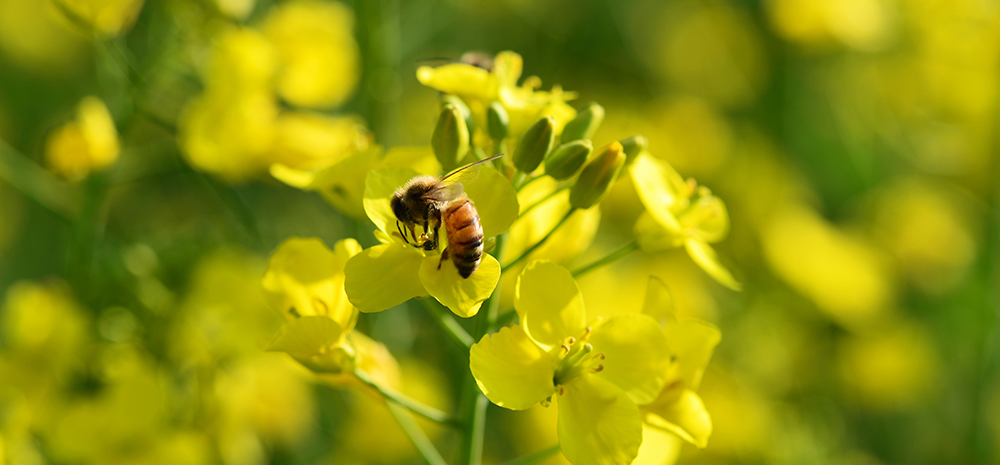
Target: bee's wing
{"x": 445, "y": 192}
{"x": 467, "y": 173}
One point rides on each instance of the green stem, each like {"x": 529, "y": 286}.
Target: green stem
{"x": 412, "y": 429}
{"x": 474, "y": 403}
{"x": 36, "y": 183}
{"x": 538, "y": 203}
{"x": 450, "y": 326}
{"x": 541, "y": 242}
{"x": 536, "y": 457}
{"x": 612, "y": 257}
{"x": 414, "y": 406}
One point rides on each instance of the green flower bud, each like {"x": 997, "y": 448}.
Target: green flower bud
{"x": 597, "y": 176}
{"x": 497, "y": 121}
{"x": 585, "y": 124}
{"x": 633, "y": 146}
{"x": 451, "y": 137}
{"x": 567, "y": 159}
{"x": 535, "y": 143}
{"x": 470, "y": 123}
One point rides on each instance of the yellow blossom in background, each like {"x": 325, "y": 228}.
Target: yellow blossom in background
{"x": 88, "y": 143}
{"x": 105, "y": 17}
{"x": 890, "y": 367}
{"x": 230, "y": 129}
{"x": 237, "y": 9}
{"x": 34, "y": 37}
{"x": 864, "y": 25}
{"x": 308, "y": 141}
{"x": 319, "y": 60}
{"x": 847, "y": 277}
{"x": 931, "y": 230}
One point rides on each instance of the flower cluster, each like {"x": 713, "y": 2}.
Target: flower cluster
{"x": 610, "y": 378}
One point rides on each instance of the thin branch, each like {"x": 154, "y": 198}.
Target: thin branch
{"x": 536, "y": 457}
{"x": 612, "y": 257}
{"x": 412, "y": 429}
{"x": 414, "y": 406}
{"x": 448, "y": 323}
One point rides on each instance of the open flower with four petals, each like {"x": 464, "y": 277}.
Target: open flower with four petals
{"x": 395, "y": 271}
{"x": 598, "y": 372}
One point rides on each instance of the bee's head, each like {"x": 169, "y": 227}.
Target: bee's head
{"x": 399, "y": 207}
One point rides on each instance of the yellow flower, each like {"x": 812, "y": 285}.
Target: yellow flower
{"x": 600, "y": 371}
{"x": 106, "y": 17}
{"x": 678, "y": 409}
{"x": 680, "y": 214}
{"x": 86, "y": 144}
{"x": 305, "y": 283}
{"x": 320, "y": 61}
{"x": 389, "y": 274}
{"x": 230, "y": 129}
{"x": 311, "y": 141}
{"x": 479, "y": 88}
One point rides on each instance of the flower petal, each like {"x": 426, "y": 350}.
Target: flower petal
{"x": 379, "y": 187}
{"x": 495, "y": 199}
{"x": 463, "y": 296}
{"x": 307, "y": 278}
{"x": 653, "y": 237}
{"x": 656, "y": 182}
{"x": 704, "y": 255}
{"x": 549, "y": 303}
{"x": 460, "y": 79}
{"x": 598, "y": 423}
{"x": 686, "y": 418}
{"x": 383, "y": 276}
{"x": 707, "y": 217}
{"x": 692, "y": 343}
{"x": 569, "y": 241}
{"x": 636, "y": 355}
{"x": 317, "y": 343}
{"x": 658, "y": 447}
{"x": 511, "y": 369}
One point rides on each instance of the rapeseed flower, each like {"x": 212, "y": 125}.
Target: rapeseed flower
{"x": 88, "y": 143}
{"x": 680, "y": 213}
{"x": 389, "y": 274}
{"x": 479, "y": 88}
{"x": 678, "y": 409}
{"x": 107, "y": 18}
{"x": 601, "y": 371}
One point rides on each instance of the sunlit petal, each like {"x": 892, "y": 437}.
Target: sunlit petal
{"x": 495, "y": 199}
{"x": 686, "y": 418}
{"x": 316, "y": 342}
{"x": 383, "y": 276}
{"x": 463, "y": 296}
{"x": 598, "y": 423}
{"x": 379, "y": 186}
{"x": 636, "y": 355}
{"x": 704, "y": 255}
{"x": 511, "y": 369}
{"x": 656, "y": 183}
{"x": 549, "y": 303}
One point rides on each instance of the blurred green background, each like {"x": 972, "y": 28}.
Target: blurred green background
{"x": 854, "y": 142}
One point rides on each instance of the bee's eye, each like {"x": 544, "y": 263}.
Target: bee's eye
{"x": 399, "y": 209}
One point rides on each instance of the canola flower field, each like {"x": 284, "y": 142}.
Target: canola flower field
{"x": 250, "y": 232}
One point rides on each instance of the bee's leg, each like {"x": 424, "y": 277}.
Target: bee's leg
{"x": 444, "y": 256}
{"x": 413, "y": 232}
{"x": 437, "y": 224}
{"x": 401, "y": 233}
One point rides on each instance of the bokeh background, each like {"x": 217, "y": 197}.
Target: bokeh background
{"x": 853, "y": 141}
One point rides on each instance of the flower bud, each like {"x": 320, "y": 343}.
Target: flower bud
{"x": 451, "y": 137}
{"x": 597, "y": 176}
{"x": 497, "y": 121}
{"x": 585, "y": 124}
{"x": 534, "y": 144}
{"x": 470, "y": 123}
{"x": 567, "y": 159}
{"x": 633, "y": 146}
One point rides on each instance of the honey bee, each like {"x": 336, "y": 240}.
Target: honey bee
{"x": 429, "y": 202}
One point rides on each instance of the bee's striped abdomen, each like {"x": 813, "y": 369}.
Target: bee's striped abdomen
{"x": 465, "y": 235}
